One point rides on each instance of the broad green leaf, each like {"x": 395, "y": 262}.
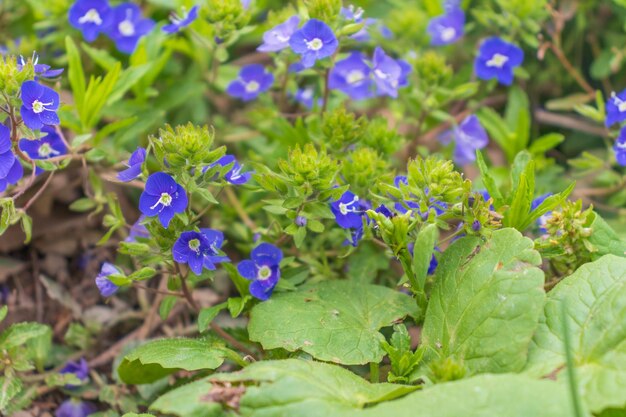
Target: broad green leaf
{"x": 9, "y": 388}
{"x": 481, "y": 396}
{"x": 292, "y": 387}
{"x": 486, "y": 302}
{"x": 159, "y": 358}
{"x": 594, "y": 298}
{"x": 21, "y": 333}
{"x": 336, "y": 321}
{"x": 605, "y": 240}
{"x": 423, "y": 252}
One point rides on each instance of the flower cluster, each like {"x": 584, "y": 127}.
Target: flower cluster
{"x": 124, "y": 23}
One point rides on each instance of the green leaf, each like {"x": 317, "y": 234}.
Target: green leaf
{"x": 292, "y": 387}
{"x": 488, "y": 180}
{"x": 4, "y": 310}
{"x": 168, "y": 303}
{"x": 423, "y": 252}
{"x": 545, "y": 143}
{"x": 485, "y": 303}
{"x": 9, "y": 388}
{"x": 546, "y": 206}
{"x": 21, "y": 333}
{"x": 159, "y": 358}
{"x": 335, "y": 321}
{"x": 594, "y": 302}
{"x": 518, "y": 212}
{"x": 75, "y": 75}
{"x": 481, "y": 396}
{"x": 207, "y": 315}
{"x": 605, "y": 239}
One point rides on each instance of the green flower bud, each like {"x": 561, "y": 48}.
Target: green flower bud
{"x": 227, "y": 15}
{"x": 431, "y": 69}
{"x": 448, "y": 369}
{"x": 341, "y": 128}
{"x": 326, "y": 10}
{"x": 434, "y": 179}
{"x": 311, "y": 170}
{"x": 363, "y": 168}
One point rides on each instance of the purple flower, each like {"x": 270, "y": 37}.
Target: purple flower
{"x": 105, "y": 286}
{"x": 138, "y": 230}
{"x": 78, "y": 368}
{"x": 181, "y": 22}
{"x": 400, "y": 179}
{"x": 306, "y": 97}
{"x": 252, "y": 81}
{"x": 46, "y": 147}
{"x": 246, "y": 3}
{"x": 497, "y": 59}
{"x": 446, "y": 29}
{"x": 91, "y": 17}
{"x": 315, "y": 40}
{"x": 199, "y": 249}
{"x": 162, "y": 197}
{"x": 348, "y": 211}
{"x": 75, "y": 408}
{"x": 616, "y": 109}
{"x": 389, "y": 74}
{"x": 234, "y": 176}
{"x": 352, "y": 76}
{"x": 468, "y": 136}
{"x": 620, "y": 148}
{"x": 41, "y": 70}
{"x": 263, "y": 269}
{"x": 128, "y": 26}
{"x": 39, "y": 105}
{"x": 277, "y": 38}
{"x": 135, "y": 162}
{"x": 301, "y": 221}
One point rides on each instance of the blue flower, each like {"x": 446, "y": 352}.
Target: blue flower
{"x": 348, "y": 211}
{"x": 135, "y": 162}
{"x": 246, "y": 3}
{"x": 105, "y": 286}
{"x": 497, "y": 59}
{"x": 263, "y": 269}
{"x": 306, "y": 97}
{"x": 75, "y": 408}
{"x": 181, "y": 22}
{"x": 352, "y": 76}
{"x": 234, "y": 176}
{"x": 277, "y": 38}
{"x": 446, "y": 29}
{"x": 91, "y": 17}
{"x": 355, "y": 14}
{"x": 47, "y": 147}
{"x": 389, "y": 74}
{"x": 616, "y": 109}
{"x": 315, "y": 40}
{"x": 541, "y": 221}
{"x": 382, "y": 209}
{"x": 199, "y": 249}
{"x": 128, "y": 26}
{"x": 138, "y": 230}
{"x": 39, "y": 105}
{"x": 162, "y": 197}
{"x": 301, "y": 221}
{"x": 468, "y": 137}
{"x": 620, "y": 148}
{"x": 79, "y": 368}
{"x": 252, "y": 81}
{"x": 41, "y": 70}
{"x": 7, "y": 157}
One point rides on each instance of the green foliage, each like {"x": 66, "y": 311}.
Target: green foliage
{"x": 325, "y": 10}
{"x": 403, "y": 360}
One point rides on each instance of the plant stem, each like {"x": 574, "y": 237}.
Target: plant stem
{"x": 374, "y": 372}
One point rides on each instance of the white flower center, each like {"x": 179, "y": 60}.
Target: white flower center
{"x": 307, "y": 94}
{"x": 194, "y": 245}
{"x": 252, "y": 87}
{"x": 45, "y": 150}
{"x": 447, "y": 34}
{"x": 264, "y": 273}
{"x": 235, "y": 174}
{"x": 127, "y": 27}
{"x": 355, "y": 76}
{"x": 38, "y": 106}
{"x": 621, "y": 145}
{"x": 281, "y": 37}
{"x": 165, "y": 200}
{"x": 497, "y": 60}
{"x": 344, "y": 208}
{"x": 380, "y": 74}
{"x": 92, "y": 16}
{"x": 315, "y": 45}
{"x": 621, "y": 104}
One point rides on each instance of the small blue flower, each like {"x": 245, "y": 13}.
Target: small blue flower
{"x": 7, "y": 157}
{"x": 252, "y": 81}
{"x": 616, "y": 109}
{"x": 91, "y": 17}
{"x": 47, "y": 147}
{"x": 382, "y": 209}
{"x": 41, "y": 70}
{"x": 138, "y": 230}
{"x": 105, "y": 286}
{"x": 246, "y": 3}
{"x": 352, "y": 76}
{"x": 135, "y": 162}
{"x": 162, "y": 197}
{"x": 541, "y": 221}
{"x": 263, "y": 269}
{"x": 468, "y": 137}
{"x": 301, "y": 221}
{"x": 497, "y": 59}
{"x": 620, "y": 148}
{"x": 306, "y": 97}
{"x": 75, "y": 408}
{"x": 128, "y": 26}
{"x": 78, "y": 368}
{"x": 355, "y": 14}
{"x": 181, "y": 22}
{"x": 389, "y": 74}
{"x": 199, "y": 249}
{"x": 315, "y": 40}
{"x": 234, "y": 176}
{"x": 446, "y": 29}
{"x": 348, "y": 211}
{"x": 355, "y": 237}
{"x": 277, "y": 38}
{"x": 39, "y": 105}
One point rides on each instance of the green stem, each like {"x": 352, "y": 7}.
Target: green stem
{"x": 374, "y": 372}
